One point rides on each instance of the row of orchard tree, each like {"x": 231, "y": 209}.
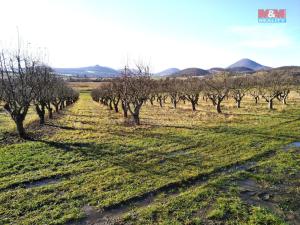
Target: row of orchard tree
{"x": 25, "y": 82}
{"x": 135, "y": 87}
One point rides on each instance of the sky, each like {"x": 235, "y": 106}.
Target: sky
{"x": 162, "y": 33}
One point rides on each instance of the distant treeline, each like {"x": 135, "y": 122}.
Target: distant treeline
{"x": 135, "y": 87}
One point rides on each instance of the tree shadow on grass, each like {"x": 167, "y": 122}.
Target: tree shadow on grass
{"x": 239, "y": 131}
{"x": 131, "y": 157}
{"x": 80, "y": 115}
{"x": 138, "y": 162}
{"x": 60, "y": 126}
{"x": 153, "y": 125}
{"x": 7, "y": 138}
{"x": 135, "y": 157}
{"x": 249, "y": 131}
{"x": 90, "y": 150}
{"x": 69, "y": 128}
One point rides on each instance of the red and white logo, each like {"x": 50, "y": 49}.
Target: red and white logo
{"x": 272, "y": 15}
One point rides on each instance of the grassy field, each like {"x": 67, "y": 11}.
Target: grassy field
{"x": 85, "y": 86}
{"x": 89, "y": 166}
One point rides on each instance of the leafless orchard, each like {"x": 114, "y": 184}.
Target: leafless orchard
{"x": 135, "y": 87}
{"x": 25, "y": 82}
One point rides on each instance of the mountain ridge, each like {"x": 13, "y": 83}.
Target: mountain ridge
{"x": 167, "y": 72}
{"x": 89, "y": 71}
{"x": 248, "y": 63}
{"x": 193, "y": 71}
{"x": 244, "y": 65}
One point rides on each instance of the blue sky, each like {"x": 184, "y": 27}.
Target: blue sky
{"x": 162, "y": 33}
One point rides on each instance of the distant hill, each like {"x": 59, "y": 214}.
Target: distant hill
{"x": 90, "y": 71}
{"x": 216, "y": 69}
{"x": 191, "y": 72}
{"x": 242, "y": 66}
{"x": 167, "y": 72}
{"x": 247, "y": 63}
{"x": 287, "y": 68}
{"x": 233, "y": 70}
{"x": 295, "y": 70}
{"x": 240, "y": 70}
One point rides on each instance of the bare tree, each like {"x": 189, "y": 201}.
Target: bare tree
{"x": 17, "y": 72}
{"x": 271, "y": 86}
{"x": 43, "y": 91}
{"x": 286, "y": 85}
{"x": 109, "y": 95}
{"x": 56, "y": 99}
{"x": 217, "y": 88}
{"x": 152, "y": 97}
{"x": 123, "y": 93}
{"x": 183, "y": 99}
{"x": 103, "y": 95}
{"x": 115, "y": 94}
{"x": 160, "y": 91}
{"x": 138, "y": 88}
{"x": 71, "y": 96}
{"x": 132, "y": 90}
{"x": 175, "y": 90}
{"x": 239, "y": 87}
{"x": 191, "y": 89}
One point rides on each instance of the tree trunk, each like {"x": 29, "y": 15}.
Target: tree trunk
{"x": 270, "y": 103}
{"x": 218, "y": 107}
{"x": 175, "y": 104}
{"x": 136, "y": 119}
{"x": 284, "y": 100}
{"x": 238, "y": 103}
{"x": 125, "y": 110}
{"x": 50, "y": 110}
{"x": 20, "y": 128}
{"x": 110, "y": 105}
{"x": 214, "y": 102}
{"x": 41, "y": 113}
{"x": 42, "y": 118}
{"x": 125, "y": 113}
{"x": 160, "y": 102}
{"x": 193, "y": 105}
{"x": 116, "y": 108}
{"x": 56, "y": 109}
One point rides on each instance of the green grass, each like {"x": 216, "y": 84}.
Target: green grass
{"x": 7, "y": 125}
{"x": 101, "y": 161}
